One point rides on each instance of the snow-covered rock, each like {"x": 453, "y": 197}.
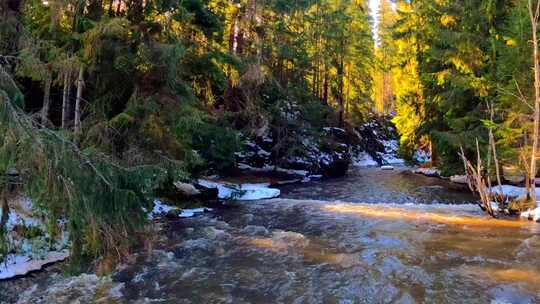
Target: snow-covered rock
{"x": 161, "y": 208}
{"x": 364, "y": 160}
{"x": 431, "y": 172}
{"x": 17, "y": 265}
{"x": 187, "y": 189}
{"x": 326, "y": 153}
{"x": 241, "y": 192}
{"x": 459, "y": 179}
{"x": 378, "y": 139}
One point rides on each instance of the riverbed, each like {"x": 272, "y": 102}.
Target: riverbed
{"x": 372, "y": 237}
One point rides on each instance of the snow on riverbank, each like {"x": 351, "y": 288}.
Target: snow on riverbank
{"x": 391, "y": 150}
{"x": 532, "y": 214}
{"x": 29, "y": 252}
{"x": 389, "y": 157}
{"x": 431, "y": 172}
{"x": 161, "y": 208}
{"x": 364, "y": 160}
{"x": 17, "y": 265}
{"x": 512, "y": 191}
{"x": 241, "y": 192}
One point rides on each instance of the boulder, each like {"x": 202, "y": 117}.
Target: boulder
{"x": 459, "y": 179}
{"x": 186, "y": 189}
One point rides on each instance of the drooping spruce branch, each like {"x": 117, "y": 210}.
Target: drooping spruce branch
{"x": 103, "y": 201}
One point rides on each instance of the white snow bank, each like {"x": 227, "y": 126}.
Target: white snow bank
{"x": 512, "y": 191}
{"x": 532, "y": 214}
{"x": 432, "y": 172}
{"x": 192, "y": 212}
{"x": 242, "y": 192}
{"x": 392, "y": 160}
{"x": 364, "y": 160}
{"x": 16, "y": 265}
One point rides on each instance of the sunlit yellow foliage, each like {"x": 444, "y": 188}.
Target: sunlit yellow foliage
{"x": 448, "y": 21}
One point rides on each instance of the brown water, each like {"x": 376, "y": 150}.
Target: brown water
{"x": 328, "y": 251}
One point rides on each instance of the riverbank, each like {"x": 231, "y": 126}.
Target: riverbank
{"x": 510, "y": 193}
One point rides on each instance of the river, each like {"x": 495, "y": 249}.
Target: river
{"x": 372, "y": 237}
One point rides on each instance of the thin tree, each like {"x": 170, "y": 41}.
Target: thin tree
{"x": 46, "y": 98}
{"x": 80, "y": 85}
{"x": 65, "y": 99}
{"x": 534, "y": 14}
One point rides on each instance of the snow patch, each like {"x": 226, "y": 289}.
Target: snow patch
{"x": 192, "y": 212}
{"x": 161, "y": 209}
{"x": 364, "y": 160}
{"x": 387, "y": 168}
{"x": 431, "y": 172}
{"x": 459, "y": 179}
{"x": 512, "y": 191}
{"x": 242, "y": 192}
{"x": 532, "y": 214}
{"x": 17, "y": 265}
{"x": 392, "y": 160}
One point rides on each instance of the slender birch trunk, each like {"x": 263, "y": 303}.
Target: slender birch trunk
{"x": 65, "y": 100}
{"x": 80, "y": 85}
{"x": 494, "y": 147}
{"x": 534, "y": 14}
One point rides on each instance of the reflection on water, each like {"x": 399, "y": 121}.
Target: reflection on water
{"x": 304, "y": 251}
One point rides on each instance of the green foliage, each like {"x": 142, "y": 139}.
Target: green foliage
{"x": 104, "y": 202}
{"x": 167, "y": 88}
{"x": 213, "y": 141}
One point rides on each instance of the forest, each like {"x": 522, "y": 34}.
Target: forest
{"x": 107, "y": 106}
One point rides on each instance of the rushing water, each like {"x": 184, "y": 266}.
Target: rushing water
{"x": 373, "y": 237}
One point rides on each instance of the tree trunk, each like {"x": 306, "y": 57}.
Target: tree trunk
{"x": 65, "y": 100}
{"x": 325, "y": 87}
{"x": 341, "y": 100}
{"x": 46, "y": 100}
{"x": 80, "y": 85}
{"x": 5, "y": 211}
{"x": 494, "y": 148}
{"x": 534, "y": 24}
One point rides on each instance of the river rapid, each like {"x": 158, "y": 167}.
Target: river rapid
{"x": 372, "y": 237}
